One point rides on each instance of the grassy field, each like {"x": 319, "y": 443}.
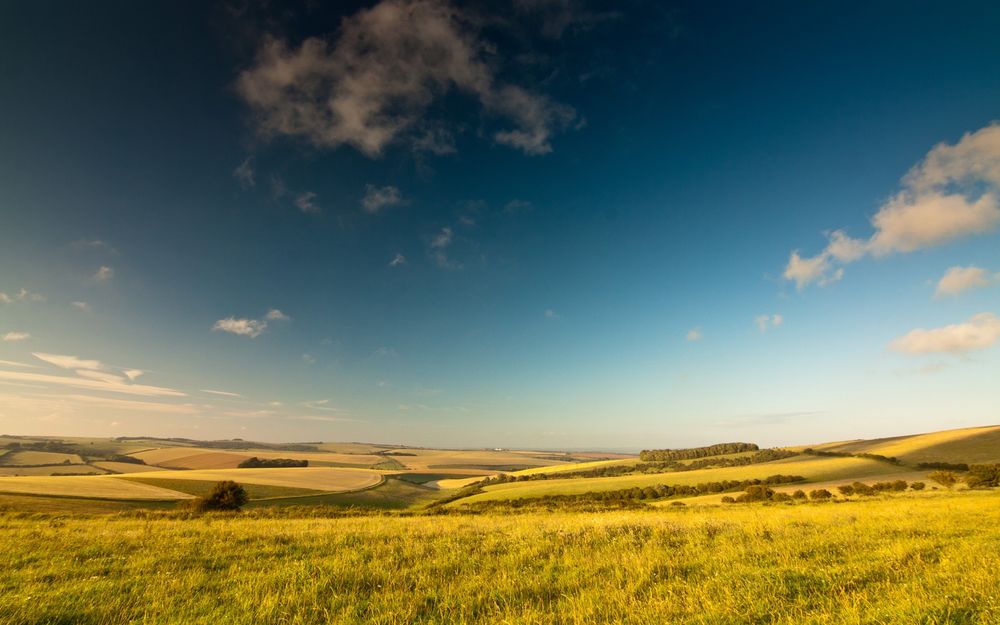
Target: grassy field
{"x": 126, "y": 467}
{"x": 313, "y": 478}
{"x": 53, "y": 469}
{"x": 101, "y": 487}
{"x": 928, "y": 559}
{"x": 815, "y": 469}
{"x": 38, "y": 457}
{"x": 201, "y": 488}
{"x": 969, "y": 445}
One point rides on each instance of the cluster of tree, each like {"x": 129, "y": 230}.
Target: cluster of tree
{"x": 271, "y": 463}
{"x": 844, "y": 454}
{"x": 944, "y": 466}
{"x": 124, "y": 458}
{"x": 763, "y": 493}
{"x": 395, "y": 453}
{"x": 56, "y": 447}
{"x": 862, "y": 489}
{"x": 226, "y": 495}
{"x": 663, "y": 455}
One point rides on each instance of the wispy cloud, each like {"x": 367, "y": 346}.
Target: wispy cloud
{"x": 694, "y": 334}
{"x": 373, "y": 85}
{"x": 377, "y": 198}
{"x": 81, "y": 306}
{"x": 11, "y": 363}
{"x": 952, "y": 193}
{"x": 132, "y": 374}
{"x": 244, "y": 174}
{"x": 979, "y": 332}
{"x": 551, "y": 314}
{"x": 14, "y": 337}
{"x": 221, "y": 393}
{"x": 23, "y": 295}
{"x": 398, "y": 260}
{"x": 249, "y": 327}
{"x": 309, "y": 359}
{"x": 104, "y": 274}
{"x": 766, "y": 322}
{"x": 86, "y": 383}
{"x": 306, "y": 202}
{"x": 134, "y": 405}
{"x": 68, "y": 362}
{"x": 959, "y": 279}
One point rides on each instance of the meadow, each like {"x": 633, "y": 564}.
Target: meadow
{"x": 928, "y": 558}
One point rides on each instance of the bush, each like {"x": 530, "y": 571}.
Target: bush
{"x": 846, "y": 490}
{"x": 820, "y": 494}
{"x": 277, "y": 463}
{"x": 728, "y": 499}
{"x": 983, "y": 476}
{"x": 227, "y": 495}
{"x": 783, "y": 497}
{"x": 917, "y": 486}
{"x": 860, "y": 488}
{"x": 945, "y": 478}
{"x": 799, "y": 494}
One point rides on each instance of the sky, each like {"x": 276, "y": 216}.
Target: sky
{"x": 547, "y": 224}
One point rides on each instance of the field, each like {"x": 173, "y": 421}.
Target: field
{"x": 928, "y": 558}
{"x": 38, "y": 458}
{"x": 968, "y": 445}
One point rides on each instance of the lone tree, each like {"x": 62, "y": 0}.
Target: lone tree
{"x": 227, "y": 495}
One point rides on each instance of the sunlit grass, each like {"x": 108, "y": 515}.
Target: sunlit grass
{"x": 897, "y": 560}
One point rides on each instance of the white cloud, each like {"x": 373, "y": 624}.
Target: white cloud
{"x": 551, "y": 314}
{"x": 309, "y": 359}
{"x": 68, "y": 362}
{"x": 276, "y": 315}
{"x": 104, "y": 274}
{"x": 398, "y": 260}
{"x": 13, "y": 337}
{"x": 304, "y": 202}
{"x": 517, "y": 206}
{"x": 959, "y": 279}
{"x": 132, "y": 374}
{"x": 979, "y": 332}
{"x": 240, "y": 327}
{"x": 952, "y": 193}
{"x": 222, "y": 393}
{"x": 23, "y": 295}
{"x": 110, "y": 378}
{"x": 374, "y": 84}
{"x": 133, "y": 405}
{"x": 244, "y": 174}
{"x": 694, "y": 334}
{"x": 377, "y": 198}
{"x": 11, "y": 363}
{"x": 442, "y": 239}
{"x": 765, "y": 322}
{"x": 439, "y": 249}
{"x": 81, "y": 306}
{"x": 77, "y": 382}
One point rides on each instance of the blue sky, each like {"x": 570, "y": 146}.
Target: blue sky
{"x": 546, "y": 223}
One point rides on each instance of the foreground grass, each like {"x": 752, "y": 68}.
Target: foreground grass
{"x": 931, "y": 559}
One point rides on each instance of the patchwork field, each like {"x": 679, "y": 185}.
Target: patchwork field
{"x": 928, "y": 559}
{"x": 326, "y": 479}
{"x": 126, "y": 467}
{"x": 38, "y": 458}
{"x": 57, "y": 469}
{"x": 101, "y": 487}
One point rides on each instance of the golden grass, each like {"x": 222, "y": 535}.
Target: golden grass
{"x": 930, "y": 560}
{"x": 815, "y": 469}
{"x": 968, "y": 445}
{"x": 200, "y": 458}
{"x": 327, "y": 479}
{"x": 430, "y": 460}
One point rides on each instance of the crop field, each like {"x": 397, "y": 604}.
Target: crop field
{"x": 815, "y": 469}
{"x": 126, "y": 467}
{"x": 101, "y": 487}
{"x": 38, "y": 458}
{"x": 970, "y": 445}
{"x": 325, "y": 479}
{"x": 52, "y": 469}
{"x": 928, "y": 559}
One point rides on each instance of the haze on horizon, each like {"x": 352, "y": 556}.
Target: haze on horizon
{"x": 549, "y": 225}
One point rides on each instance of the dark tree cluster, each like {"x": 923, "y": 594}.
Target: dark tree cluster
{"x": 844, "y": 454}
{"x": 271, "y": 463}
{"x": 124, "y": 458}
{"x": 227, "y": 495}
{"x": 663, "y": 455}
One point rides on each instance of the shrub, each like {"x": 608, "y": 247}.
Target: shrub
{"x": 728, "y": 499}
{"x": 860, "y": 488}
{"x": 983, "y": 475}
{"x": 846, "y": 490}
{"x": 783, "y": 497}
{"x": 945, "y": 478}
{"x": 820, "y": 494}
{"x": 917, "y": 486}
{"x": 227, "y": 495}
{"x": 799, "y": 494}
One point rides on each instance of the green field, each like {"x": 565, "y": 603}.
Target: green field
{"x": 929, "y": 559}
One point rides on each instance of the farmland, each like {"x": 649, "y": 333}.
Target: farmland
{"x": 927, "y": 558}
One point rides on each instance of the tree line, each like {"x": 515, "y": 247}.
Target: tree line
{"x": 693, "y": 453}
{"x": 271, "y": 463}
